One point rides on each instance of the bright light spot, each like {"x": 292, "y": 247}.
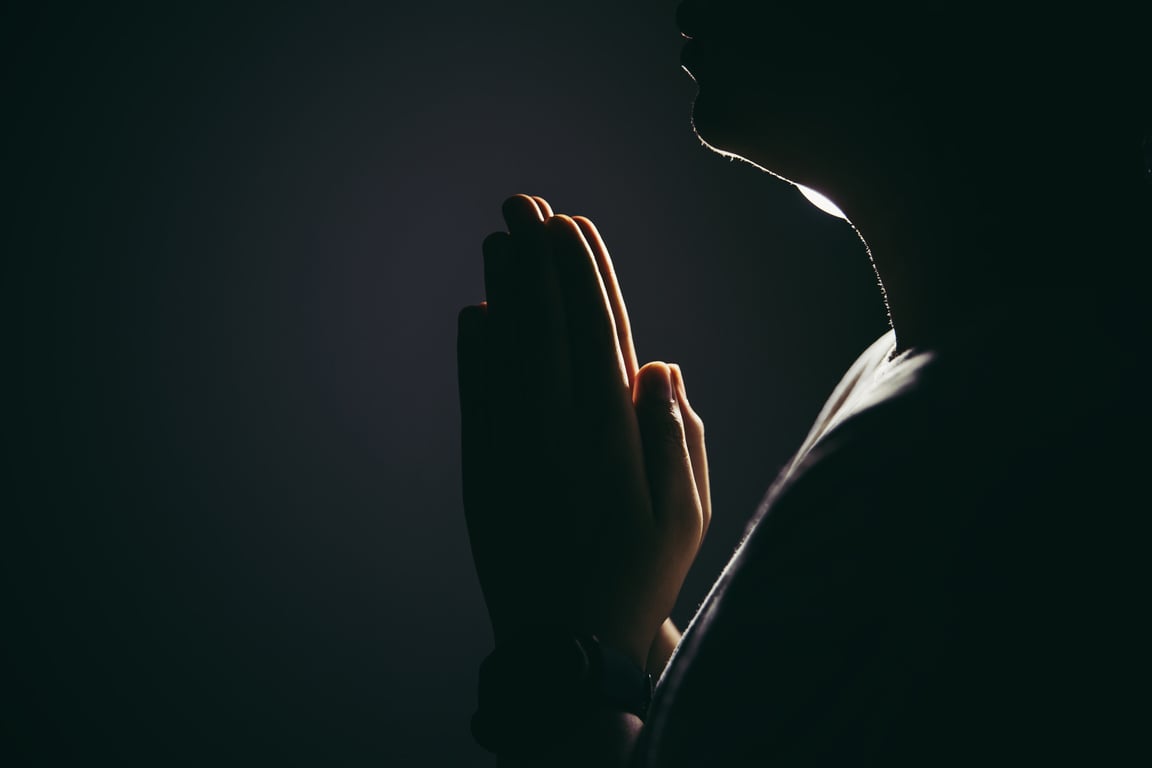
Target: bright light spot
{"x": 821, "y": 202}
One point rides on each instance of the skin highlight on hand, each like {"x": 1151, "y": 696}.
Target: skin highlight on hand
{"x": 584, "y": 493}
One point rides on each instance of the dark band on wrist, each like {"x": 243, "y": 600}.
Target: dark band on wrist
{"x": 536, "y": 689}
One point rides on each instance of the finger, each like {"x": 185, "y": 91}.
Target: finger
{"x": 675, "y": 500}
{"x": 615, "y": 297}
{"x": 521, "y": 213}
{"x": 477, "y": 454}
{"x": 537, "y": 310}
{"x": 475, "y": 429}
{"x": 498, "y": 266}
{"x": 542, "y": 204}
{"x": 694, "y": 434}
{"x": 598, "y": 371}
{"x": 503, "y": 375}
{"x": 531, "y": 315}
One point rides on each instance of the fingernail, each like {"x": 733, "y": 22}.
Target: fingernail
{"x": 657, "y": 383}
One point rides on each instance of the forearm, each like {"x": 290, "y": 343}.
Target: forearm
{"x": 604, "y": 740}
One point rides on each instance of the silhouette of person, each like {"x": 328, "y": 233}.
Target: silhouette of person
{"x": 947, "y": 572}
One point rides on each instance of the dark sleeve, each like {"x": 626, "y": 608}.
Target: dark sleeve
{"x": 889, "y": 610}
{"x": 821, "y": 630}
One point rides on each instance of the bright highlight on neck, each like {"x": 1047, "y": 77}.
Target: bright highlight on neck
{"x": 821, "y": 202}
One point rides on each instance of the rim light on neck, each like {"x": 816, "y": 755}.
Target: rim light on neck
{"x": 821, "y": 201}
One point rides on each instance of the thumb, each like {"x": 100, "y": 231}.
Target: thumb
{"x": 667, "y": 462}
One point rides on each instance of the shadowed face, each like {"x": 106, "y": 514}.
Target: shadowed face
{"x": 951, "y": 136}
{"x": 821, "y": 93}
{"x": 812, "y": 90}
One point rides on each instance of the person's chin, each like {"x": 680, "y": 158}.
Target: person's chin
{"x": 790, "y": 146}
{"x": 726, "y": 128}
{"x": 716, "y": 123}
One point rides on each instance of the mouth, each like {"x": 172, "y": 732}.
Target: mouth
{"x": 684, "y": 20}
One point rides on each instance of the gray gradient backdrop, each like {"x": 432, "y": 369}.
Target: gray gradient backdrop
{"x": 250, "y": 233}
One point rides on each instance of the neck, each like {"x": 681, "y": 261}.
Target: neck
{"x": 1019, "y": 265}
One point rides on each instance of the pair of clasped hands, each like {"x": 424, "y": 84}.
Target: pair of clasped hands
{"x": 585, "y": 476}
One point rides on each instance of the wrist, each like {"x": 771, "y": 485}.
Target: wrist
{"x": 538, "y": 688}
{"x": 635, "y": 651}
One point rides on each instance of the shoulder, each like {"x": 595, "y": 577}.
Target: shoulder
{"x": 927, "y": 564}
{"x": 845, "y": 590}
{"x": 862, "y": 415}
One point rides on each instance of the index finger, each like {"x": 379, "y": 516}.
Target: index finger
{"x": 598, "y": 367}
{"x": 615, "y": 297}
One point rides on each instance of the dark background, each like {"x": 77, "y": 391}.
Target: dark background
{"x": 239, "y": 242}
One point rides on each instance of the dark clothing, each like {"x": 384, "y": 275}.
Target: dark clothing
{"x": 919, "y": 588}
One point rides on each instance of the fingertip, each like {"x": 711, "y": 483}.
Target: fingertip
{"x": 520, "y": 201}
{"x": 560, "y": 220}
{"x": 587, "y": 226}
{"x": 592, "y": 237}
{"x": 494, "y": 243}
{"x": 561, "y": 227}
{"x": 471, "y": 316}
{"x": 655, "y": 367}
{"x": 542, "y": 204}
{"x": 654, "y": 383}
{"x": 520, "y": 210}
{"x": 678, "y": 380}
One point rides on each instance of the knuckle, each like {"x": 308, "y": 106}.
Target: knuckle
{"x": 662, "y": 423}
{"x": 685, "y": 524}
